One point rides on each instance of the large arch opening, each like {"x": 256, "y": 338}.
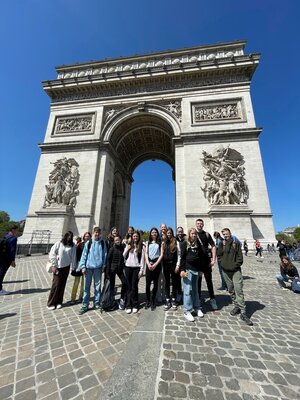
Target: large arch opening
{"x": 152, "y": 195}
{"x": 145, "y": 163}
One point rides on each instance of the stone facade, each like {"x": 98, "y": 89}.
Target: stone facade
{"x": 190, "y": 108}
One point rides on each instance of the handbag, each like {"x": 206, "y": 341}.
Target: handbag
{"x": 49, "y": 267}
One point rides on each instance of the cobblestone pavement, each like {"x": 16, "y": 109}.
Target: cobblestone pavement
{"x": 61, "y": 355}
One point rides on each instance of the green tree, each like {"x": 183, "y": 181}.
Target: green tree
{"x": 296, "y": 234}
{"x": 283, "y": 236}
{"x": 4, "y": 217}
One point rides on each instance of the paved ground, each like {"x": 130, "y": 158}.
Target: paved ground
{"x": 152, "y": 355}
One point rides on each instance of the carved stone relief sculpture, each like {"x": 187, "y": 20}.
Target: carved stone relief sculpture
{"x": 224, "y": 179}
{"x": 62, "y": 188}
{"x": 217, "y": 112}
{"x": 74, "y": 124}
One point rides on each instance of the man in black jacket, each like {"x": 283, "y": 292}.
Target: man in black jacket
{"x": 206, "y": 245}
{"x": 231, "y": 259}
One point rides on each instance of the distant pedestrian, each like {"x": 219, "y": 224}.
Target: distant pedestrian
{"x": 231, "y": 258}
{"x": 7, "y": 255}
{"x": 245, "y": 246}
{"x": 92, "y": 264}
{"x": 282, "y": 248}
{"x": 62, "y": 255}
{"x": 258, "y": 249}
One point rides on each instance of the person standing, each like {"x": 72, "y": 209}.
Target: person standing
{"x": 171, "y": 262}
{"x": 245, "y": 246}
{"x": 115, "y": 266}
{"x": 62, "y": 255}
{"x": 258, "y": 249}
{"x": 8, "y": 255}
{"x": 134, "y": 255}
{"x": 154, "y": 255}
{"x": 231, "y": 259}
{"x": 207, "y": 251}
{"x": 218, "y": 238}
{"x": 92, "y": 263}
{"x": 79, "y": 278}
{"x": 189, "y": 272}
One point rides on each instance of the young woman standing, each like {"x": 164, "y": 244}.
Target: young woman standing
{"x": 62, "y": 255}
{"x": 128, "y": 235}
{"x": 110, "y": 238}
{"x": 154, "y": 256}
{"x": 171, "y": 262}
{"x": 189, "y": 271}
{"x": 134, "y": 255}
{"x": 80, "y": 278}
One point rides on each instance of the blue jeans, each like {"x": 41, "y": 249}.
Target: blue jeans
{"x": 190, "y": 291}
{"x": 281, "y": 280}
{"x": 90, "y": 273}
{"x": 223, "y": 283}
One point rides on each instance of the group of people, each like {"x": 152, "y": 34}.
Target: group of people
{"x": 171, "y": 264}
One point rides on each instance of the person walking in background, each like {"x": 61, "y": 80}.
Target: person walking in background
{"x": 245, "y": 246}
{"x": 207, "y": 253}
{"x": 231, "y": 259}
{"x": 190, "y": 264}
{"x": 218, "y": 239}
{"x": 134, "y": 255}
{"x": 7, "y": 255}
{"x": 78, "y": 276}
{"x": 258, "y": 249}
{"x": 288, "y": 272}
{"x": 92, "y": 263}
{"x": 282, "y": 248}
{"x": 171, "y": 262}
{"x": 62, "y": 255}
{"x": 153, "y": 256}
{"x": 115, "y": 266}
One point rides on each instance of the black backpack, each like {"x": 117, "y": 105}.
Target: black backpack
{"x": 108, "y": 302}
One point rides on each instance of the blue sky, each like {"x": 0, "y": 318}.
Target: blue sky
{"x": 38, "y": 35}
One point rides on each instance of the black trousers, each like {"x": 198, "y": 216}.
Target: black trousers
{"x": 4, "y": 265}
{"x": 112, "y": 277}
{"x": 152, "y": 276}
{"x": 207, "y": 272}
{"x": 58, "y": 287}
{"x": 132, "y": 282}
{"x": 170, "y": 275}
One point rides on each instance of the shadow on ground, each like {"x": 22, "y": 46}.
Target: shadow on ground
{"x": 7, "y": 315}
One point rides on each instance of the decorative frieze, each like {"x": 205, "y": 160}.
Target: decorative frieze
{"x": 167, "y": 84}
{"x": 62, "y": 188}
{"x": 83, "y": 123}
{"x": 156, "y": 61}
{"x": 216, "y": 112}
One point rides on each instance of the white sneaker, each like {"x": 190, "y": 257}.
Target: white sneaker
{"x": 135, "y": 310}
{"x": 58, "y": 306}
{"x": 213, "y": 304}
{"x": 51, "y": 308}
{"x": 200, "y": 313}
{"x": 128, "y": 310}
{"x": 189, "y": 316}
{"x": 4, "y": 292}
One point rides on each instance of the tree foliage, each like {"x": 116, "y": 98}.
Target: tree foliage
{"x": 297, "y": 234}
{"x": 6, "y": 223}
{"x": 283, "y": 236}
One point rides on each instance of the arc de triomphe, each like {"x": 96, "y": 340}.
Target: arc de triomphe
{"x": 189, "y": 107}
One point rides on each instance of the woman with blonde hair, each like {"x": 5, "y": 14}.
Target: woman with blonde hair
{"x": 189, "y": 271}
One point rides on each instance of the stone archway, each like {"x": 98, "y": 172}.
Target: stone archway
{"x": 186, "y": 107}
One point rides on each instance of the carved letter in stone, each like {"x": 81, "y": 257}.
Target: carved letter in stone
{"x": 63, "y": 183}
{"x": 224, "y": 179}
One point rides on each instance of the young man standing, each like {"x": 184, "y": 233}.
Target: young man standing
{"x": 231, "y": 258}
{"x": 8, "y": 255}
{"x": 207, "y": 261}
{"x": 92, "y": 263}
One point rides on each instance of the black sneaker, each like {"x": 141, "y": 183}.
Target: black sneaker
{"x": 235, "y": 311}
{"x": 174, "y": 304}
{"x": 167, "y": 305}
{"x": 246, "y": 319}
{"x": 147, "y": 305}
{"x": 83, "y": 310}
{"x": 153, "y": 307}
